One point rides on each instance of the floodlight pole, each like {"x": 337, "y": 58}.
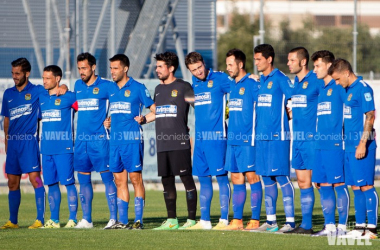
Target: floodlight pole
{"x": 355, "y": 37}
{"x": 262, "y": 31}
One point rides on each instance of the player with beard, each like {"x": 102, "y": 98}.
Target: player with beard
{"x": 304, "y": 115}
{"x": 91, "y": 150}
{"x": 173, "y": 139}
{"x": 210, "y": 89}
{"x": 127, "y": 97}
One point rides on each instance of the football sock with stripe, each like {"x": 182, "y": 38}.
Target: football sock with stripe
{"x": 238, "y": 200}
{"x": 72, "y": 200}
{"x": 224, "y": 195}
{"x": 139, "y": 209}
{"x": 287, "y": 198}
{"x": 342, "y": 203}
{"x": 256, "y": 197}
{"x": 122, "y": 206}
{"x": 372, "y": 204}
{"x": 170, "y": 195}
{"x": 205, "y": 196}
{"x": 307, "y": 205}
{"x": 86, "y": 194}
{"x": 191, "y": 195}
{"x": 54, "y": 197}
{"x": 360, "y": 207}
{"x": 107, "y": 178}
{"x": 271, "y": 194}
{"x": 40, "y": 203}
{"x": 328, "y": 202}
{"x": 14, "y": 200}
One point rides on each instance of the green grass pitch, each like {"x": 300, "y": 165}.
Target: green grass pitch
{"x": 154, "y": 215}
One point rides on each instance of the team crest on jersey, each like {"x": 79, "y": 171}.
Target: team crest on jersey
{"x": 57, "y": 102}
{"x": 174, "y": 93}
{"x": 304, "y": 86}
{"x": 349, "y": 97}
{"x": 95, "y": 91}
{"x": 210, "y": 84}
{"x": 28, "y": 97}
{"x": 241, "y": 91}
{"x": 270, "y": 85}
{"x": 127, "y": 93}
{"x": 329, "y": 92}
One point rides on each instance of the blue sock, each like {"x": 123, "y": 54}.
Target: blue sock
{"x": 123, "y": 210}
{"x": 72, "y": 200}
{"x": 372, "y": 204}
{"x": 307, "y": 205}
{"x": 205, "y": 196}
{"x": 86, "y": 194}
{"x": 238, "y": 200}
{"x": 224, "y": 196}
{"x": 328, "y": 202}
{"x": 287, "y": 198}
{"x": 14, "y": 200}
{"x": 40, "y": 203}
{"x": 360, "y": 206}
{"x": 54, "y": 198}
{"x": 139, "y": 209}
{"x": 342, "y": 203}
{"x": 107, "y": 178}
{"x": 256, "y": 197}
{"x": 271, "y": 193}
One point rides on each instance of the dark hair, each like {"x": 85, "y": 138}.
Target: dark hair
{"x": 193, "y": 57}
{"x": 302, "y": 53}
{"x": 124, "y": 60}
{"x": 340, "y": 65}
{"x": 266, "y": 50}
{"x": 24, "y": 63}
{"x": 57, "y": 71}
{"x": 170, "y": 59}
{"x": 325, "y": 55}
{"x": 86, "y": 56}
{"x": 238, "y": 54}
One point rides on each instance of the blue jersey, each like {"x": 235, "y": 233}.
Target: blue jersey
{"x": 330, "y": 116}
{"x": 57, "y": 123}
{"x": 272, "y": 120}
{"x": 210, "y": 105}
{"x": 22, "y": 109}
{"x": 357, "y": 102}
{"x": 304, "y": 106}
{"x": 125, "y": 104}
{"x": 243, "y": 97}
{"x": 92, "y": 109}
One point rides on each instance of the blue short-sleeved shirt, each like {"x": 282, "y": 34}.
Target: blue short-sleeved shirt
{"x": 272, "y": 120}
{"x": 210, "y": 105}
{"x": 242, "y": 121}
{"x": 330, "y": 116}
{"x": 357, "y": 102}
{"x": 92, "y": 108}
{"x": 22, "y": 108}
{"x": 57, "y": 123}
{"x": 125, "y": 104}
{"x": 304, "y": 106}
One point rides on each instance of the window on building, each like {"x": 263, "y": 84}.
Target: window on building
{"x": 325, "y": 20}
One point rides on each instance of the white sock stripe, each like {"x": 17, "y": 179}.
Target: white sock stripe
{"x": 348, "y": 204}
{"x": 377, "y": 204}
{"x": 270, "y": 185}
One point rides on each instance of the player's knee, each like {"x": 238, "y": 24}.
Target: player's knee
{"x": 136, "y": 180}
{"x": 36, "y": 181}
{"x": 13, "y": 185}
{"x": 188, "y": 182}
